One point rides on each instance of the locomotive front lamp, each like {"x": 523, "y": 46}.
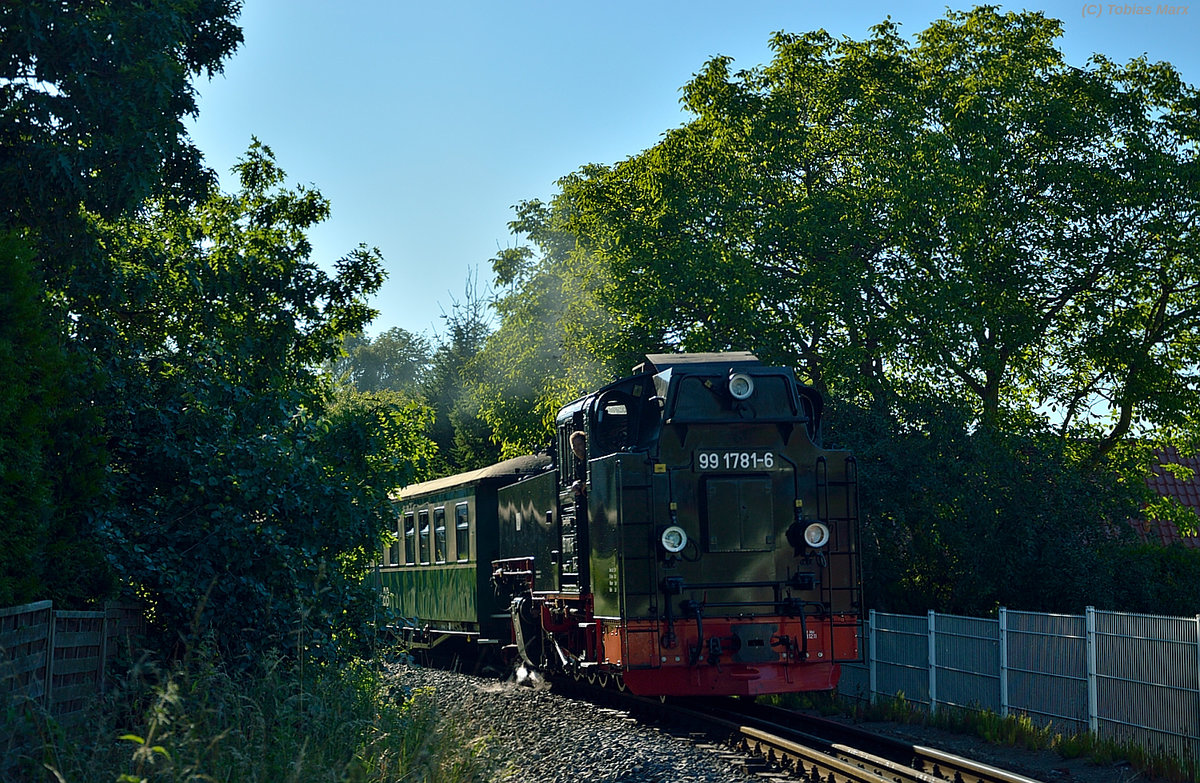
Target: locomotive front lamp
{"x": 816, "y": 535}
{"x": 674, "y": 539}
{"x": 741, "y": 385}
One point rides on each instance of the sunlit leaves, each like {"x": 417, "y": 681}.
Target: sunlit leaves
{"x": 92, "y": 97}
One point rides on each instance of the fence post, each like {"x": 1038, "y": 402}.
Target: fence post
{"x": 1003, "y": 640}
{"x": 47, "y": 696}
{"x": 1093, "y": 689}
{"x": 871, "y": 667}
{"x": 932, "y": 663}
{"x": 104, "y": 651}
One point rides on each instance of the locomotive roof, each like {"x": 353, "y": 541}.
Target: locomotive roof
{"x": 660, "y": 362}
{"x": 514, "y": 468}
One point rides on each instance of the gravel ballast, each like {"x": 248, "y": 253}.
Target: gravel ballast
{"x": 538, "y": 736}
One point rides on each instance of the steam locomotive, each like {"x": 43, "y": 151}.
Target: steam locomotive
{"x": 685, "y": 535}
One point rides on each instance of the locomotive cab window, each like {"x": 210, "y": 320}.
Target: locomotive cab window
{"x": 462, "y": 532}
{"x": 611, "y": 429}
{"x": 439, "y": 534}
{"x": 410, "y": 540}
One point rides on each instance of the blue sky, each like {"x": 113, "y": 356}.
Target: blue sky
{"x": 424, "y": 123}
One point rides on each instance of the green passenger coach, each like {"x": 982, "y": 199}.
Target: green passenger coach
{"x": 436, "y": 573}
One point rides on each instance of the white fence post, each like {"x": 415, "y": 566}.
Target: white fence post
{"x": 932, "y": 663}
{"x": 1003, "y": 640}
{"x": 1093, "y": 690}
{"x": 871, "y": 667}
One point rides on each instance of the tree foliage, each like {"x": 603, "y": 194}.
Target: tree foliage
{"x": 397, "y": 360}
{"x": 552, "y": 341}
{"x": 50, "y": 464}
{"x": 92, "y": 97}
{"x": 984, "y": 255}
{"x": 464, "y": 439}
{"x": 247, "y": 499}
{"x": 968, "y": 213}
{"x": 172, "y": 414}
{"x": 92, "y": 100}
{"x": 441, "y": 373}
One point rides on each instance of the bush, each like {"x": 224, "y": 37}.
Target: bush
{"x": 1155, "y": 579}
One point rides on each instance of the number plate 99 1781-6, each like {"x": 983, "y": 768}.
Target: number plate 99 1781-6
{"x": 736, "y": 460}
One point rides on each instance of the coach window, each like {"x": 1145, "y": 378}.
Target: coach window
{"x": 439, "y": 534}
{"x": 425, "y": 544}
{"x": 410, "y": 540}
{"x": 462, "y": 532}
{"x": 393, "y": 550}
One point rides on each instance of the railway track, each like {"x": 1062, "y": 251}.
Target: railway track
{"x": 891, "y": 759}
{"x": 784, "y": 745}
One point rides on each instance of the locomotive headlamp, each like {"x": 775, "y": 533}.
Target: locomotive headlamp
{"x": 741, "y": 385}
{"x": 816, "y": 535}
{"x": 674, "y": 539}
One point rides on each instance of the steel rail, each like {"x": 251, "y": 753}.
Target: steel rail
{"x": 967, "y": 770}
{"x": 768, "y": 748}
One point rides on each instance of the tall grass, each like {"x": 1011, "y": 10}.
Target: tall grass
{"x": 202, "y": 723}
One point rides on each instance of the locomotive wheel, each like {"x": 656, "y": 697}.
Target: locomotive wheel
{"x": 620, "y": 681}
{"x": 591, "y": 677}
{"x": 603, "y": 679}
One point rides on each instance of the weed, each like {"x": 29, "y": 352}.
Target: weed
{"x": 203, "y": 721}
{"x": 1016, "y": 730}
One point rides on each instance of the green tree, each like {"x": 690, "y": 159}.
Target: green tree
{"x": 396, "y": 360}
{"x": 967, "y": 215}
{"x": 984, "y": 255}
{"x": 553, "y": 343}
{"x": 92, "y": 98}
{"x": 464, "y": 440}
{"x": 247, "y": 498}
{"x": 48, "y": 465}
{"x": 446, "y": 374}
{"x": 965, "y": 520}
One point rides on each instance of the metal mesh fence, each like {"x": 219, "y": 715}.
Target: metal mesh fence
{"x": 899, "y": 650}
{"x": 1147, "y": 689}
{"x": 967, "y": 662}
{"x": 1047, "y": 668}
{"x": 1125, "y": 677}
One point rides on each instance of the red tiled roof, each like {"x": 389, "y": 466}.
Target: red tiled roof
{"x": 1186, "y": 491}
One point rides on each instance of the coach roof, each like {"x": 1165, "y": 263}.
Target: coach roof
{"x": 510, "y": 470}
